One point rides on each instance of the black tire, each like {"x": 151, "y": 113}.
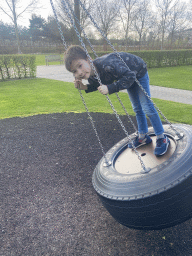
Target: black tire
{"x": 158, "y": 199}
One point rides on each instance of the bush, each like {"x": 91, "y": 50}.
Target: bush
{"x": 17, "y": 66}
{"x": 158, "y": 59}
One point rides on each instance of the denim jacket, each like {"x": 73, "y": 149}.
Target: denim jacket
{"x": 115, "y": 74}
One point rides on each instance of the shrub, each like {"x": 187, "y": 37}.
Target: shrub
{"x": 17, "y": 66}
{"x": 158, "y": 59}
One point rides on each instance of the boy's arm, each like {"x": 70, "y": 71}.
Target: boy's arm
{"x": 124, "y": 77}
{"x": 91, "y": 87}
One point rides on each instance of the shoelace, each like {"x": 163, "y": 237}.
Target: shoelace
{"x": 159, "y": 142}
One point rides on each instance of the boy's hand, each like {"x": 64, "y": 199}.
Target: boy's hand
{"x": 103, "y": 89}
{"x": 79, "y": 85}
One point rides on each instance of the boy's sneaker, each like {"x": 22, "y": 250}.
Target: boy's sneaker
{"x": 140, "y": 142}
{"x": 162, "y": 146}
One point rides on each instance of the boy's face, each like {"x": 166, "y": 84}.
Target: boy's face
{"x": 81, "y": 69}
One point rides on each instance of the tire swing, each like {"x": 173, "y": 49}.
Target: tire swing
{"x": 138, "y": 189}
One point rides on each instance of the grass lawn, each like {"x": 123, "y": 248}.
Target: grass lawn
{"x": 40, "y": 59}
{"x": 172, "y": 77}
{"x": 42, "y": 96}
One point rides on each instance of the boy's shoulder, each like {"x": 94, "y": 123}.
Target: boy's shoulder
{"x": 110, "y": 57}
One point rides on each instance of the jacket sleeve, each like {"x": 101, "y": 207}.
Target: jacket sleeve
{"x": 93, "y": 85}
{"x": 124, "y": 77}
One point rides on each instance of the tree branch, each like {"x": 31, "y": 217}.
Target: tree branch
{"x": 6, "y": 13}
{"x": 29, "y": 6}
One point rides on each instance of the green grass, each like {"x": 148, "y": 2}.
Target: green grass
{"x": 42, "y": 96}
{"x": 172, "y": 77}
{"x": 40, "y": 59}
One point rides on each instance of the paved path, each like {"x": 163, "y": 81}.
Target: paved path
{"x": 60, "y": 73}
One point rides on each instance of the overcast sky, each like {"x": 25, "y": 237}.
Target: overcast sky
{"x": 45, "y": 11}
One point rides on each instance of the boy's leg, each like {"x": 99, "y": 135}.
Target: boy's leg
{"x": 148, "y": 106}
{"x": 142, "y": 138}
{"x": 149, "y": 109}
{"x": 136, "y": 105}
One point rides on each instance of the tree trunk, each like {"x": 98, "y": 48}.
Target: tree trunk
{"x": 16, "y": 28}
{"x": 77, "y": 14}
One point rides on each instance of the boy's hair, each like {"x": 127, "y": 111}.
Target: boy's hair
{"x": 74, "y": 52}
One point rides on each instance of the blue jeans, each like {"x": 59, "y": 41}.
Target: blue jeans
{"x": 142, "y": 106}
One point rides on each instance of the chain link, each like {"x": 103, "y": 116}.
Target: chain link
{"x": 59, "y": 27}
{"x": 107, "y": 40}
{"x": 98, "y": 78}
{"x": 126, "y": 112}
{"x": 93, "y": 125}
{"x": 97, "y": 57}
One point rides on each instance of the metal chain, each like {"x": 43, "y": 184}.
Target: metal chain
{"x": 107, "y": 40}
{"x": 59, "y": 27}
{"x": 97, "y": 57}
{"x": 98, "y": 78}
{"x": 94, "y": 128}
{"x": 129, "y": 138}
{"x": 83, "y": 100}
{"x": 170, "y": 124}
{"x": 82, "y": 29}
{"x": 126, "y": 112}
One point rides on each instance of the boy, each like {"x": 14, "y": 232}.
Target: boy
{"x": 116, "y": 76}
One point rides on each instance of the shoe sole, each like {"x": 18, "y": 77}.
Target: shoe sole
{"x": 165, "y": 149}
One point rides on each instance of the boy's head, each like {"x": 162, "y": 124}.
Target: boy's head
{"x": 74, "y": 52}
{"x": 76, "y": 61}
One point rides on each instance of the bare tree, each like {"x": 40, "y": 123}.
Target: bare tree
{"x": 127, "y": 14}
{"x": 178, "y": 19}
{"x": 164, "y": 11}
{"x": 14, "y": 9}
{"x": 142, "y": 19}
{"x": 106, "y": 14}
{"x": 73, "y": 7}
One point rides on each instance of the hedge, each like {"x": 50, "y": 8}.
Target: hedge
{"x": 17, "y": 66}
{"x": 158, "y": 59}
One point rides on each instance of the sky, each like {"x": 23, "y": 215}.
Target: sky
{"x": 45, "y": 11}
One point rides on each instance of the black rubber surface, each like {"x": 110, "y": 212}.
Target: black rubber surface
{"x": 48, "y": 204}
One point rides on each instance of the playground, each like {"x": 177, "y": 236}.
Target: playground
{"x": 48, "y": 204}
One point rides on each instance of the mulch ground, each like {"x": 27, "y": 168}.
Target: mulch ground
{"x": 48, "y": 204}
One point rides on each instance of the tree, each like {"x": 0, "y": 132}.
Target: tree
{"x": 178, "y": 19}
{"x": 142, "y": 19}
{"x": 127, "y": 14}
{"x": 106, "y": 14}
{"x": 14, "y": 10}
{"x": 51, "y": 31}
{"x": 37, "y": 26}
{"x": 164, "y": 11}
{"x": 6, "y": 31}
{"x": 80, "y": 14}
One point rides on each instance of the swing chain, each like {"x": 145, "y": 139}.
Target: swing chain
{"x": 99, "y": 80}
{"x": 129, "y": 139}
{"x": 69, "y": 6}
{"x": 180, "y": 136}
{"x": 107, "y": 40}
{"x": 94, "y": 128}
{"x": 107, "y": 163}
{"x": 126, "y": 112}
{"x": 58, "y": 25}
